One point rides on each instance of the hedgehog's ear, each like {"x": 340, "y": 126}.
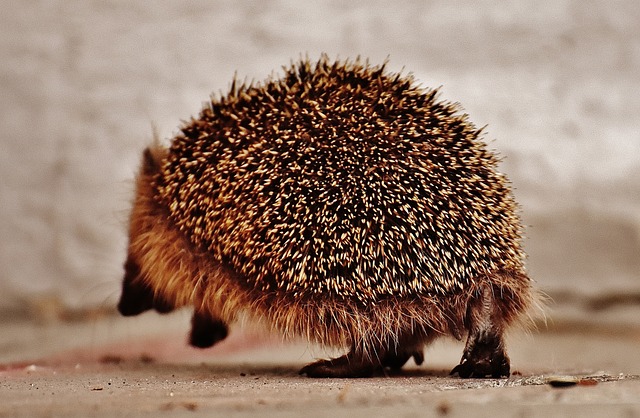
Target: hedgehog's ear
{"x": 152, "y": 159}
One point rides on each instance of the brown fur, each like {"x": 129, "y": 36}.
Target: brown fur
{"x": 183, "y": 275}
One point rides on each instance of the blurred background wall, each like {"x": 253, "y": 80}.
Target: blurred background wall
{"x": 83, "y": 82}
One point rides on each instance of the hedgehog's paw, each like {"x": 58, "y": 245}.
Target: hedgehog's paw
{"x": 348, "y": 365}
{"x": 206, "y": 331}
{"x": 495, "y": 367}
{"x": 484, "y": 356}
{"x": 137, "y": 296}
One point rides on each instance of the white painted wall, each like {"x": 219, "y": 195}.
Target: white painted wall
{"x": 82, "y": 82}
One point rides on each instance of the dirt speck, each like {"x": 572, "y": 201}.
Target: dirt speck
{"x": 342, "y": 395}
{"x": 443, "y": 408}
{"x": 190, "y": 406}
{"x": 111, "y": 359}
{"x": 146, "y": 359}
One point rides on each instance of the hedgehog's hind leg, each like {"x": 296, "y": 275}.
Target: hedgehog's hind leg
{"x": 484, "y": 353}
{"x": 355, "y": 364}
{"x": 349, "y": 365}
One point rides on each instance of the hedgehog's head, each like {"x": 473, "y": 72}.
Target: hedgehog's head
{"x": 138, "y": 291}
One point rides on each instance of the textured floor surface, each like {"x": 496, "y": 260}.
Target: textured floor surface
{"x": 142, "y": 367}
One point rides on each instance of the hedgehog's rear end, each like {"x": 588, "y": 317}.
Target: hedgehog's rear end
{"x": 338, "y": 203}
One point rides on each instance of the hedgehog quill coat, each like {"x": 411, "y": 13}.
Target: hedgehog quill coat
{"x": 341, "y": 203}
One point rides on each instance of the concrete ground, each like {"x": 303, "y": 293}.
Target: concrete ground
{"x": 137, "y": 367}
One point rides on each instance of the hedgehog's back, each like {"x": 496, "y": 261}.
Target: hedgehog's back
{"x": 343, "y": 181}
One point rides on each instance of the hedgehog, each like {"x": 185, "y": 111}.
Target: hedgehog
{"x": 341, "y": 203}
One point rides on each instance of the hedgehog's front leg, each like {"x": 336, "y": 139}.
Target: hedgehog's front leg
{"x": 137, "y": 296}
{"x": 206, "y": 331}
{"x": 484, "y": 354}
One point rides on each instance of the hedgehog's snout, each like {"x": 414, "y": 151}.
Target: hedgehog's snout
{"x": 138, "y": 297}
